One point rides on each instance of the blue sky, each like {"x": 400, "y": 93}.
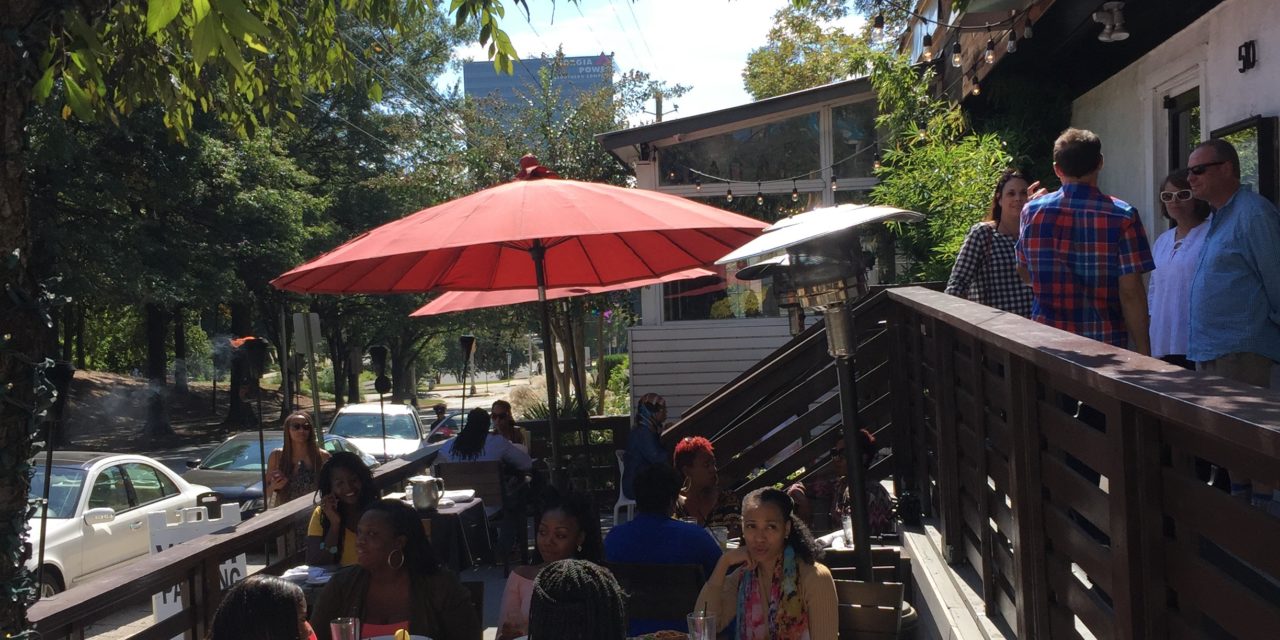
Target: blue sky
{"x": 698, "y": 43}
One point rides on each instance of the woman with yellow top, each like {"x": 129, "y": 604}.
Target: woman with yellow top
{"x": 777, "y": 588}
{"x": 346, "y": 490}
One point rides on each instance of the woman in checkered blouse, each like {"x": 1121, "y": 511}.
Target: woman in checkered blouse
{"x": 986, "y": 269}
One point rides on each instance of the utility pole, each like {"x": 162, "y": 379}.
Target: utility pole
{"x": 657, "y": 104}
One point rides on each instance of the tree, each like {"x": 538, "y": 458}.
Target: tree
{"x": 802, "y": 51}
{"x": 249, "y": 61}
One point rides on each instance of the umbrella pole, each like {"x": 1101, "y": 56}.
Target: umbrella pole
{"x": 539, "y": 253}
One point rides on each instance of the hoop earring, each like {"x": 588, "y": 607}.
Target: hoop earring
{"x": 396, "y": 565}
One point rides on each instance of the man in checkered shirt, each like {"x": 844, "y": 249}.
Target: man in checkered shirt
{"x": 1084, "y": 252}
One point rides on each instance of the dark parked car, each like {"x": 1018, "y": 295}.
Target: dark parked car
{"x": 234, "y": 469}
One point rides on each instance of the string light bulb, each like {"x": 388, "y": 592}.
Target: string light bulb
{"x": 759, "y": 195}
{"x": 728, "y": 195}
{"x": 795, "y": 192}
{"x": 1012, "y": 46}
{"x": 1027, "y": 31}
{"x": 878, "y": 25}
{"x": 834, "y": 186}
{"x": 875, "y": 163}
{"x": 927, "y": 45}
{"x": 697, "y": 184}
{"x": 990, "y": 55}
{"x": 955, "y": 55}
{"x": 977, "y": 88}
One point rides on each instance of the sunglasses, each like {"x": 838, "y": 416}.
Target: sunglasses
{"x": 300, "y": 426}
{"x": 1181, "y": 195}
{"x": 1199, "y": 169}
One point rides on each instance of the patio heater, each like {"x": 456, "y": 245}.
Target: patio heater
{"x": 823, "y": 270}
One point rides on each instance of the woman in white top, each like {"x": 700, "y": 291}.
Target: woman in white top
{"x": 476, "y": 444}
{"x": 1176, "y": 252}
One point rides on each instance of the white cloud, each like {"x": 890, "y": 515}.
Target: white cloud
{"x": 698, "y": 43}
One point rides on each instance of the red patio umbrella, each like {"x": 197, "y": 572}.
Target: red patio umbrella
{"x": 537, "y": 231}
{"x": 453, "y": 301}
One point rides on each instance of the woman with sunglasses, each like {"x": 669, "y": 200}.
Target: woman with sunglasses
{"x": 1176, "y": 252}
{"x": 292, "y": 469}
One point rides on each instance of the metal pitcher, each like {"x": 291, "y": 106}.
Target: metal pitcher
{"x": 427, "y": 491}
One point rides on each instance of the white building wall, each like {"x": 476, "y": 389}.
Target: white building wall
{"x": 686, "y": 361}
{"x": 1127, "y": 110}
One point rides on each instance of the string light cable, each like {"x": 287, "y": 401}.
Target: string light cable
{"x": 699, "y": 175}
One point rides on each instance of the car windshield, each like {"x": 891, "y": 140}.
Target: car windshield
{"x": 369, "y": 425}
{"x": 239, "y": 455}
{"x": 64, "y": 490}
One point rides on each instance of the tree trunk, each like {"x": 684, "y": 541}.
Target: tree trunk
{"x": 240, "y": 412}
{"x": 337, "y": 347}
{"x": 80, "y": 313}
{"x": 400, "y": 385}
{"x": 355, "y": 360}
{"x": 602, "y": 376}
{"x": 179, "y": 350}
{"x": 68, "y": 330}
{"x": 157, "y": 378}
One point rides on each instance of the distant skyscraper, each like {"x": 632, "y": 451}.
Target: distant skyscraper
{"x": 579, "y": 74}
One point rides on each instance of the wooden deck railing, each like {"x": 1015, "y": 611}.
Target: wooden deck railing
{"x": 1064, "y": 473}
{"x": 194, "y": 566}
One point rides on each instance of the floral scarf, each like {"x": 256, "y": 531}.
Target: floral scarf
{"x": 783, "y": 617}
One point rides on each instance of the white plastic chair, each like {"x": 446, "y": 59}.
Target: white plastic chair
{"x": 623, "y": 501}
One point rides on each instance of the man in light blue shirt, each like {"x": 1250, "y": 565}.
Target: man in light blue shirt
{"x": 1235, "y": 294}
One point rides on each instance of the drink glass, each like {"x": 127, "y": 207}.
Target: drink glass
{"x": 721, "y": 534}
{"x": 702, "y": 626}
{"x": 847, "y": 522}
{"x": 345, "y": 628}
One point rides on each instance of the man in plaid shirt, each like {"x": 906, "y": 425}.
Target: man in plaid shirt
{"x": 1084, "y": 252}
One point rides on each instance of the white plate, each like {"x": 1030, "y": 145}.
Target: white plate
{"x": 460, "y": 495}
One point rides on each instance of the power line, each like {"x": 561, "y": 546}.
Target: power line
{"x": 334, "y": 114}
{"x": 643, "y": 40}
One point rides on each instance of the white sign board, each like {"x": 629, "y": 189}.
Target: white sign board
{"x": 300, "y": 342}
{"x": 193, "y": 523}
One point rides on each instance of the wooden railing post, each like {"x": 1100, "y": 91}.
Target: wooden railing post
{"x": 1139, "y": 612}
{"x": 948, "y": 453}
{"x": 904, "y": 454}
{"x": 1031, "y": 589}
{"x": 982, "y": 492}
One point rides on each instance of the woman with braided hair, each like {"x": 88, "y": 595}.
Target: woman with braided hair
{"x": 777, "y": 588}
{"x": 577, "y": 600}
{"x": 397, "y": 583}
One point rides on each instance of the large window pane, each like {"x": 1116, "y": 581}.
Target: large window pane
{"x": 854, "y": 139}
{"x": 772, "y": 151}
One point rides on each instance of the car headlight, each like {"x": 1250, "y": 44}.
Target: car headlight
{"x": 253, "y": 505}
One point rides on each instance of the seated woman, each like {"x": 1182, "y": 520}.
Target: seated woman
{"x": 476, "y": 444}
{"x": 262, "y": 607}
{"x": 504, "y": 424}
{"x": 577, "y": 600}
{"x": 880, "y": 507}
{"x": 292, "y": 469}
{"x": 397, "y": 584}
{"x": 567, "y": 528}
{"x": 346, "y": 489}
{"x": 777, "y": 589}
{"x": 702, "y": 498}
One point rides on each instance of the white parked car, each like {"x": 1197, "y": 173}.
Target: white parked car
{"x": 362, "y": 424}
{"x": 98, "y": 506}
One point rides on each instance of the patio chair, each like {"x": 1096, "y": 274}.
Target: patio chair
{"x": 869, "y": 610}
{"x": 623, "y": 502}
{"x": 659, "y": 591}
{"x": 885, "y": 563}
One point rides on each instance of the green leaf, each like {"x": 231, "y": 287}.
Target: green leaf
{"x": 231, "y": 51}
{"x": 375, "y": 92}
{"x": 204, "y": 39}
{"x": 160, "y": 13}
{"x": 240, "y": 21}
{"x": 200, "y": 8}
{"x": 254, "y": 44}
{"x": 80, "y": 102}
{"x": 44, "y": 85}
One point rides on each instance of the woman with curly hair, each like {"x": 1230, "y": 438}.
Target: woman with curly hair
{"x": 577, "y": 600}
{"x": 566, "y": 528}
{"x": 773, "y": 585}
{"x": 262, "y": 607}
{"x": 346, "y": 490}
{"x": 397, "y": 583}
{"x": 701, "y": 498}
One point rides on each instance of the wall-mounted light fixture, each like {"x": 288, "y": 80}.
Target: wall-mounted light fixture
{"x": 1247, "y": 54}
{"x": 1111, "y": 17}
